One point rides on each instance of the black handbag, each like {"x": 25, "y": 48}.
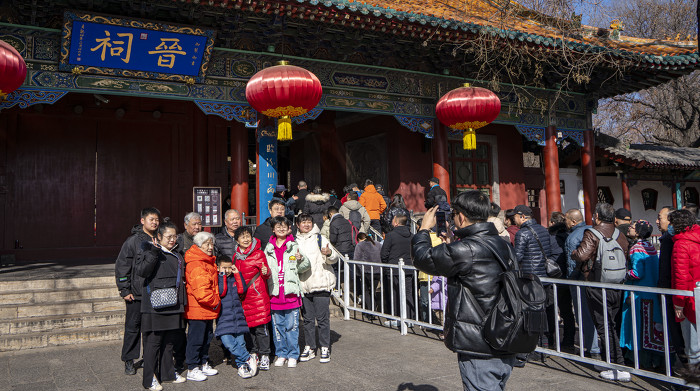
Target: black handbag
{"x": 165, "y": 297}
{"x": 551, "y": 265}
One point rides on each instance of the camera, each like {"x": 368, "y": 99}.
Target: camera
{"x": 442, "y": 216}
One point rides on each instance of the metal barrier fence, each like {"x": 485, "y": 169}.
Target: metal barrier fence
{"x": 384, "y": 282}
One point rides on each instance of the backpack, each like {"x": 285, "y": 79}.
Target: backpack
{"x": 355, "y": 218}
{"x": 519, "y": 318}
{"x": 353, "y": 232}
{"x": 613, "y": 262}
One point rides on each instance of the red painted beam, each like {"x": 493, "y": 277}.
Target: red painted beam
{"x": 551, "y": 171}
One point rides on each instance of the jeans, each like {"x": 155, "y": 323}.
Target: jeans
{"x": 316, "y": 309}
{"x": 692, "y": 346}
{"x": 590, "y": 334}
{"x": 131, "y": 347}
{"x": 199, "y": 334}
{"x": 158, "y": 355}
{"x": 286, "y": 326}
{"x": 485, "y": 374}
{"x": 598, "y": 308}
{"x": 235, "y": 343}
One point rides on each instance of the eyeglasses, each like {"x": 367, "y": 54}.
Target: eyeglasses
{"x": 170, "y": 237}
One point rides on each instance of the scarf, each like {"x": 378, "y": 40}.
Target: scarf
{"x": 240, "y": 255}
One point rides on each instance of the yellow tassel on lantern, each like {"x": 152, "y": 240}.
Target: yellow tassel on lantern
{"x": 284, "y": 128}
{"x": 469, "y": 139}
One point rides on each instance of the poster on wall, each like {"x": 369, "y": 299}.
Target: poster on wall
{"x": 207, "y": 202}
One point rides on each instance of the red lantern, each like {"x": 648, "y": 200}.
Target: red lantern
{"x": 468, "y": 108}
{"x": 283, "y": 91}
{"x": 13, "y": 69}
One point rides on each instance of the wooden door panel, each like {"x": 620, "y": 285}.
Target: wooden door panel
{"x": 134, "y": 171}
{"x": 54, "y": 182}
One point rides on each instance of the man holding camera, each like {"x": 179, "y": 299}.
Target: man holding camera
{"x": 474, "y": 282}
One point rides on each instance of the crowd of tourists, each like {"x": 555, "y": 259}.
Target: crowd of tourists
{"x": 250, "y": 288}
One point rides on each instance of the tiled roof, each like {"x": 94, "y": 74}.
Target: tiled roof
{"x": 452, "y": 18}
{"x": 647, "y": 155}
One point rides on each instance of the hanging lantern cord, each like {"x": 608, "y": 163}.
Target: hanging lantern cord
{"x": 469, "y": 139}
{"x": 284, "y": 128}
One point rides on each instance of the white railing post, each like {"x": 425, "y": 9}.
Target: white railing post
{"x": 346, "y": 288}
{"x": 402, "y": 297}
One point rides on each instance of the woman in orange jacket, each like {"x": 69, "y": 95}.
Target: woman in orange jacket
{"x": 203, "y": 305}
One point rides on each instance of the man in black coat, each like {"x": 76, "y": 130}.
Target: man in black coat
{"x": 397, "y": 246}
{"x": 130, "y": 285}
{"x": 300, "y": 197}
{"x": 263, "y": 232}
{"x": 340, "y": 232}
{"x": 224, "y": 243}
{"x": 469, "y": 266}
{"x": 435, "y": 193}
{"x": 532, "y": 247}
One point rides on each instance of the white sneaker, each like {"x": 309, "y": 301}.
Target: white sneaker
{"x": 292, "y": 363}
{"x": 279, "y": 362}
{"x": 155, "y": 385}
{"x": 307, "y": 354}
{"x": 608, "y": 375}
{"x": 253, "y": 364}
{"x": 264, "y": 363}
{"x": 196, "y": 375}
{"x": 244, "y": 371}
{"x": 325, "y": 355}
{"x": 623, "y": 376}
{"x": 208, "y": 370}
{"x": 179, "y": 379}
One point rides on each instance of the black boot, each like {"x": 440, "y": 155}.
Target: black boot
{"x": 129, "y": 368}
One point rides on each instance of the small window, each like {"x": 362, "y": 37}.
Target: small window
{"x": 605, "y": 195}
{"x": 649, "y": 197}
{"x": 533, "y": 198}
{"x": 690, "y": 196}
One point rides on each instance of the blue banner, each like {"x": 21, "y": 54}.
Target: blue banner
{"x": 267, "y": 170}
{"x": 102, "y": 45}
{"x": 114, "y": 46}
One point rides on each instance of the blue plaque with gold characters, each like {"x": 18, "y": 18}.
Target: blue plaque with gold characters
{"x": 107, "y": 45}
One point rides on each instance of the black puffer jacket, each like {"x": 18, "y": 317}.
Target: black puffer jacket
{"x": 557, "y": 239}
{"x": 527, "y": 250}
{"x": 340, "y": 234}
{"x": 397, "y": 245}
{"x": 316, "y": 205}
{"x": 665, "y": 252}
{"x": 225, "y": 244}
{"x": 468, "y": 265}
{"x": 128, "y": 282}
{"x": 159, "y": 269}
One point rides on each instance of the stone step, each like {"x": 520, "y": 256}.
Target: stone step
{"x": 59, "y": 295}
{"x": 88, "y": 306}
{"x": 60, "y": 322}
{"x": 61, "y": 337}
{"x": 56, "y": 284}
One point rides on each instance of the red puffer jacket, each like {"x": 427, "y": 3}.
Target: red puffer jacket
{"x": 256, "y": 303}
{"x": 685, "y": 268}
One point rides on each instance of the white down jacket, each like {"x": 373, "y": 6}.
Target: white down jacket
{"x": 320, "y": 277}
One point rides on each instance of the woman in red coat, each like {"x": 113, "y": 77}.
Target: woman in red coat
{"x": 251, "y": 262}
{"x": 685, "y": 273}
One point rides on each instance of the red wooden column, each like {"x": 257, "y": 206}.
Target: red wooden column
{"x": 551, "y": 171}
{"x": 590, "y": 186}
{"x": 239, "y": 167}
{"x": 440, "y": 163}
{"x": 200, "y": 169}
{"x": 625, "y": 192}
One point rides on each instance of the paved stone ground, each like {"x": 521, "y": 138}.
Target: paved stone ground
{"x": 365, "y": 356}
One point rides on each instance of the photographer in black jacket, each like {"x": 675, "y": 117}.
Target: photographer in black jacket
{"x": 130, "y": 285}
{"x": 469, "y": 265}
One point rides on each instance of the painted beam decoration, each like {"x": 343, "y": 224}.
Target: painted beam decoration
{"x": 107, "y": 45}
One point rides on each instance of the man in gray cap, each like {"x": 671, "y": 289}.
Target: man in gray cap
{"x": 623, "y": 219}
{"x": 435, "y": 193}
